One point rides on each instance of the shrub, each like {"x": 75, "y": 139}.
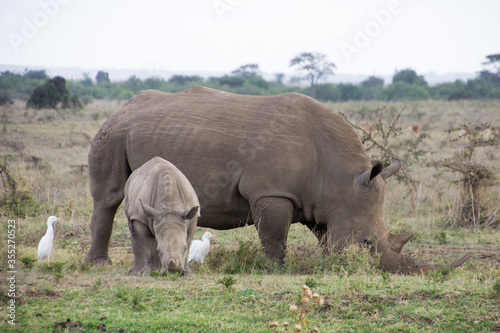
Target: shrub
{"x": 51, "y": 93}
{"x": 5, "y": 99}
{"x": 475, "y": 175}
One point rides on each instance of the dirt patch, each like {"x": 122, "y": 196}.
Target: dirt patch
{"x": 41, "y": 293}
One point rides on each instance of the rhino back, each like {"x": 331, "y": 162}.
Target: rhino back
{"x": 233, "y": 147}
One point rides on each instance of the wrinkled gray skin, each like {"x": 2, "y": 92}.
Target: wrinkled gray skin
{"x": 162, "y": 211}
{"x": 263, "y": 160}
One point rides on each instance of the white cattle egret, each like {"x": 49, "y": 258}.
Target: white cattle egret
{"x": 47, "y": 242}
{"x": 199, "y": 248}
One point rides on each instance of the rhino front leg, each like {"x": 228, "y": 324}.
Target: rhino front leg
{"x": 273, "y": 217}
{"x": 137, "y": 248}
{"x": 146, "y": 246}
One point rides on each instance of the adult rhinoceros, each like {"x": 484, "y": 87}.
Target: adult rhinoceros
{"x": 267, "y": 160}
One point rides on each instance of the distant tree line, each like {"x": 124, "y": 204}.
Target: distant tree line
{"x": 406, "y": 84}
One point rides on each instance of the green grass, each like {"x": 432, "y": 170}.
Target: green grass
{"x": 237, "y": 289}
{"x": 360, "y": 302}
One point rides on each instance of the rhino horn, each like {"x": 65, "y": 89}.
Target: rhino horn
{"x": 150, "y": 211}
{"x": 398, "y": 241}
{"x": 457, "y": 263}
{"x": 397, "y": 263}
{"x": 391, "y": 168}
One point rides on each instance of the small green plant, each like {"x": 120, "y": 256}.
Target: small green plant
{"x": 136, "y": 300}
{"x": 173, "y": 276}
{"x": 386, "y": 276}
{"x": 97, "y": 284}
{"x": 58, "y": 276}
{"x": 52, "y": 267}
{"x": 440, "y": 274}
{"x": 311, "y": 282}
{"x": 28, "y": 262}
{"x": 227, "y": 281}
{"x": 496, "y": 288}
{"x": 121, "y": 293}
{"x": 441, "y": 238}
{"x": 85, "y": 266}
{"x": 155, "y": 273}
{"x": 55, "y": 268}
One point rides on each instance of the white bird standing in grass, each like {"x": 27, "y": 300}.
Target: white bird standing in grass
{"x": 47, "y": 242}
{"x": 200, "y": 248}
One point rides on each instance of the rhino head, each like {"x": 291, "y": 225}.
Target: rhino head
{"x": 360, "y": 218}
{"x": 173, "y": 231}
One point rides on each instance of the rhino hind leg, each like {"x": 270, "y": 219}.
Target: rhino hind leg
{"x": 273, "y": 217}
{"x": 107, "y": 176}
{"x": 319, "y": 230}
{"x": 101, "y": 226}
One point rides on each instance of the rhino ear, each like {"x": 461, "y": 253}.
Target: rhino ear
{"x": 366, "y": 177}
{"x": 150, "y": 211}
{"x": 189, "y": 214}
{"x": 391, "y": 168}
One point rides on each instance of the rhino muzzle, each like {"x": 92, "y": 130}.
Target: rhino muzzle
{"x": 173, "y": 265}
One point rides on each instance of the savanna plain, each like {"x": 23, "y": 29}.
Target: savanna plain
{"x": 237, "y": 289}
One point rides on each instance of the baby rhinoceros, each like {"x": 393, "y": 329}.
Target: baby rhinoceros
{"x": 162, "y": 209}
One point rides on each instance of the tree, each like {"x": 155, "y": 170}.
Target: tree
{"x": 35, "y": 75}
{"x": 313, "y": 66}
{"x": 134, "y": 84}
{"x": 232, "y": 81}
{"x": 51, "y": 93}
{"x": 494, "y": 61}
{"x": 388, "y": 144}
{"x": 405, "y": 91}
{"x": 87, "y": 81}
{"x": 247, "y": 71}
{"x": 279, "y": 77}
{"x": 102, "y": 77}
{"x": 373, "y": 82}
{"x": 182, "y": 80}
{"x": 5, "y": 99}
{"x": 409, "y": 76}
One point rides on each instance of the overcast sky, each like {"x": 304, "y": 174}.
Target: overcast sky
{"x": 360, "y": 37}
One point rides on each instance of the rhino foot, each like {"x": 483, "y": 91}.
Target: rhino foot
{"x": 187, "y": 272}
{"x": 133, "y": 271}
{"x": 101, "y": 261}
